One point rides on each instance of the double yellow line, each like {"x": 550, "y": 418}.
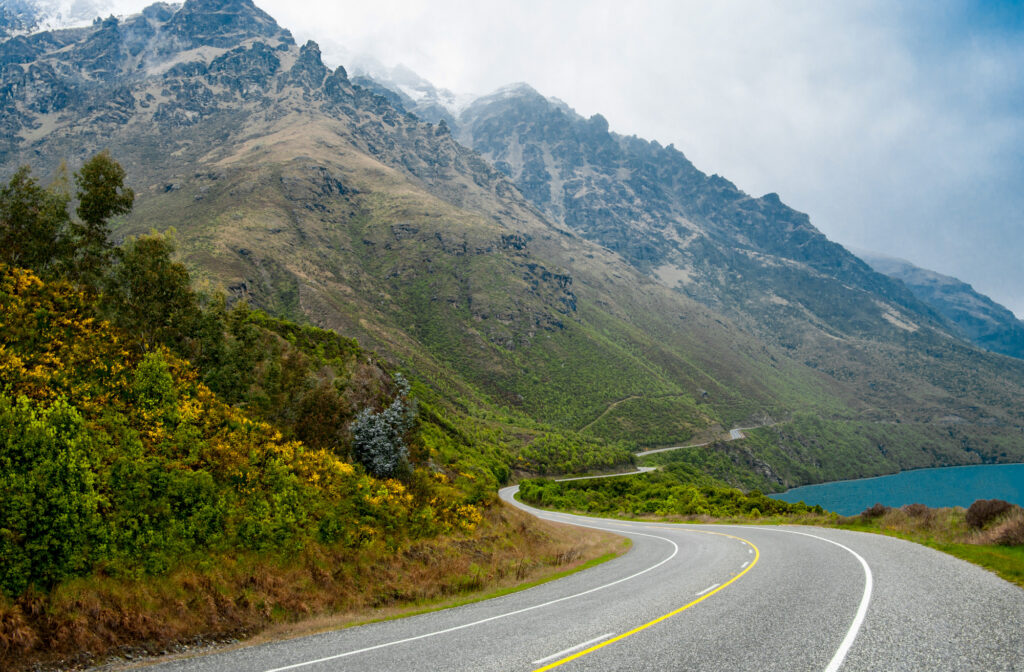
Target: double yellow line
{"x": 580, "y": 654}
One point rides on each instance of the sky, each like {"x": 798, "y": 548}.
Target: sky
{"x": 898, "y": 127}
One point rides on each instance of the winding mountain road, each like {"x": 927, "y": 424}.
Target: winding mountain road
{"x": 692, "y": 597}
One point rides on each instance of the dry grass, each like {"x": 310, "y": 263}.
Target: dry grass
{"x": 986, "y": 523}
{"x": 232, "y": 597}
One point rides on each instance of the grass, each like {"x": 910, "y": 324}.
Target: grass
{"x": 257, "y": 598}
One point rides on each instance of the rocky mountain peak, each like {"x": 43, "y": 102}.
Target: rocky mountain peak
{"x": 221, "y": 23}
{"x": 309, "y": 69}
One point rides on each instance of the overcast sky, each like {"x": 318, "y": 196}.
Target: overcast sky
{"x": 899, "y": 127}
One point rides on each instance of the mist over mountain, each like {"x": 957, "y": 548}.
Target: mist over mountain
{"x": 520, "y": 261}
{"x": 980, "y": 319}
{"x": 27, "y": 16}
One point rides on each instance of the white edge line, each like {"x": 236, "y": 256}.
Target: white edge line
{"x": 675, "y": 550}
{"x": 573, "y": 649}
{"x": 708, "y": 589}
{"x": 862, "y": 610}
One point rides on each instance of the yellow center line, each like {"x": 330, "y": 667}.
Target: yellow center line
{"x": 580, "y": 654}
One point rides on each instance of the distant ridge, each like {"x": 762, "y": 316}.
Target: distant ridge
{"x": 980, "y": 319}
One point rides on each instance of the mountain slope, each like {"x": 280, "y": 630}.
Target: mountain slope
{"x": 316, "y": 199}
{"x": 980, "y": 319}
{"x": 755, "y": 259}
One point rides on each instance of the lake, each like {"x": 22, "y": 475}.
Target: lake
{"x": 946, "y": 486}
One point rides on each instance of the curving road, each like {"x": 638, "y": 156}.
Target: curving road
{"x": 699, "y": 598}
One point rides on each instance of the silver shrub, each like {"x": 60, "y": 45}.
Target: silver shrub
{"x": 378, "y": 439}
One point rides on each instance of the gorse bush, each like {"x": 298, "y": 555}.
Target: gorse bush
{"x": 115, "y": 457}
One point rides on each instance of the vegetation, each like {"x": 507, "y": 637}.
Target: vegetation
{"x": 158, "y": 447}
{"x": 678, "y": 491}
{"x": 989, "y": 533}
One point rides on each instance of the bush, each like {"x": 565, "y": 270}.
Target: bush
{"x": 49, "y": 511}
{"x": 984, "y": 511}
{"x": 875, "y": 511}
{"x": 1011, "y": 532}
{"x": 917, "y": 511}
{"x": 378, "y": 439}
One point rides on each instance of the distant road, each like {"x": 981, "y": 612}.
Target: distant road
{"x": 699, "y": 598}
{"x": 734, "y": 435}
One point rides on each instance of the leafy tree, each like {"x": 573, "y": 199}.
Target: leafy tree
{"x": 378, "y": 439}
{"x": 37, "y": 231}
{"x": 153, "y": 385}
{"x": 34, "y": 224}
{"x": 48, "y": 513}
{"x": 150, "y": 295}
{"x": 101, "y": 195}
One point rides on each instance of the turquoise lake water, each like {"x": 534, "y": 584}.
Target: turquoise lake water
{"x": 948, "y": 486}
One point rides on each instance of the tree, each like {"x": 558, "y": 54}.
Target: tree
{"x": 151, "y": 295}
{"x": 101, "y": 195}
{"x": 34, "y": 225}
{"x": 378, "y": 439}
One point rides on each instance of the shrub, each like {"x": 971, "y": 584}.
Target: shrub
{"x": 378, "y": 439}
{"x": 984, "y": 511}
{"x": 917, "y": 510}
{"x": 1010, "y": 532}
{"x": 875, "y": 511}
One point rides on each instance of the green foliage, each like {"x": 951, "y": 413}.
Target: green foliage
{"x": 565, "y": 453}
{"x": 153, "y": 385}
{"x": 675, "y": 492}
{"x": 34, "y": 225}
{"x": 126, "y": 462}
{"x": 150, "y": 295}
{"x": 37, "y": 231}
{"x": 101, "y": 195}
{"x": 50, "y": 508}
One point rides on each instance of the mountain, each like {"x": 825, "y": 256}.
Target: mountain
{"x": 407, "y": 90}
{"x": 27, "y": 16}
{"x": 556, "y": 282}
{"x": 756, "y": 259}
{"x": 980, "y": 319}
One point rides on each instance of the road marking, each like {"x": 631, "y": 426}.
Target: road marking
{"x": 744, "y": 565}
{"x": 708, "y": 588}
{"x": 675, "y": 551}
{"x": 851, "y": 634}
{"x": 862, "y": 610}
{"x": 571, "y": 649}
{"x": 580, "y": 654}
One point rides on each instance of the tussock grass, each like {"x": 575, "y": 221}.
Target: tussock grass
{"x": 239, "y": 596}
{"x": 990, "y": 533}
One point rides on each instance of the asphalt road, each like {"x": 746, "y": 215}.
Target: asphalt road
{"x": 699, "y": 598}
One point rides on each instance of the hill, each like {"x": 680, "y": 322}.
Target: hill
{"x": 151, "y": 499}
{"x": 638, "y": 301}
{"x": 977, "y": 317}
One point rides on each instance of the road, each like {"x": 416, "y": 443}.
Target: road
{"x": 699, "y": 598}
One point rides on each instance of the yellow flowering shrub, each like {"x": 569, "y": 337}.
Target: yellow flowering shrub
{"x": 170, "y": 470}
